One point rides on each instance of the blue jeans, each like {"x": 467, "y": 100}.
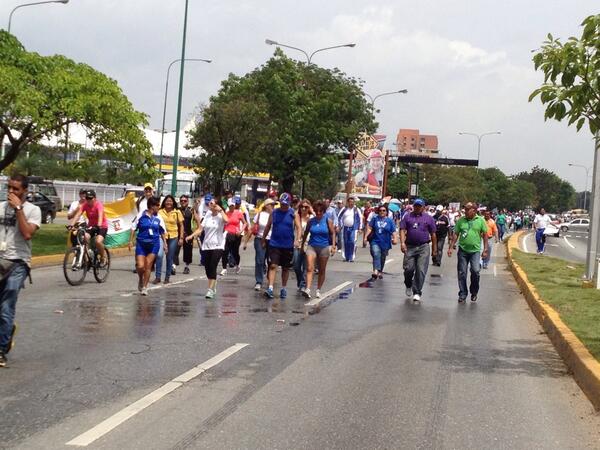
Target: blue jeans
{"x": 171, "y": 249}
{"x": 501, "y": 230}
{"x": 379, "y": 255}
{"x": 540, "y": 239}
{"x": 485, "y": 261}
{"x": 260, "y": 256}
{"x": 464, "y": 260}
{"x": 415, "y": 265}
{"x": 349, "y": 243}
{"x": 9, "y": 290}
{"x": 300, "y": 267}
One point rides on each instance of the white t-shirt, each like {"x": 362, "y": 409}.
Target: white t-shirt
{"x": 453, "y": 216}
{"x": 16, "y": 246}
{"x": 348, "y": 217}
{"x": 542, "y": 221}
{"x": 262, "y": 218}
{"x": 214, "y": 232}
{"x": 74, "y": 207}
{"x": 202, "y": 209}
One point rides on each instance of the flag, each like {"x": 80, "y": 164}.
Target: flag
{"x": 380, "y": 138}
{"x": 120, "y": 216}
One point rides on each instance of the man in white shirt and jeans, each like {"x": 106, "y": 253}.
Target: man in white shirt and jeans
{"x": 540, "y": 223}
{"x": 19, "y": 220}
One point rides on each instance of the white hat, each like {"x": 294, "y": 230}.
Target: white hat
{"x": 230, "y": 202}
{"x": 439, "y": 208}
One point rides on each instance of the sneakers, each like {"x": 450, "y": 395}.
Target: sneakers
{"x": 210, "y": 294}
{"x": 306, "y": 293}
{"x": 474, "y": 297}
{"x": 156, "y": 281}
{"x": 318, "y": 294}
{"x": 173, "y": 271}
{"x": 416, "y": 298}
{"x": 283, "y": 293}
{"x": 186, "y": 271}
{"x": 223, "y": 272}
{"x": 167, "y": 281}
{"x": 257, "y": 287}
{"x": 2, "y": 359}
{"x": 461, "y": 300}
{"x": 144, "y": 291}
{"x": 238, "y": 269}
{"x": 140, "y": 285}
{"x": 409, "y": 292}
{"x": 269, "y": 293}
{"x": 380, "y": 276}
{"x": 373, "y": 276}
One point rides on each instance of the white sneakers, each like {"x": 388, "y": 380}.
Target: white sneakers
{"x": 416, "y": 298}
{"x": 257, "y": 287}
{"x": 306, "y": 293}
{"x": 318, "y": 294}
{"x": 223, "y": 272}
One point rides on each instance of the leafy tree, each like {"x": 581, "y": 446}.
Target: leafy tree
{"x": 553, "y": 193}
{"x": 520, "y": 195}
{"x": 42, "y": 95}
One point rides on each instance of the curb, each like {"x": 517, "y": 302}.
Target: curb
{"x": 56, "y": 260}
{"x": 585, "y": 368}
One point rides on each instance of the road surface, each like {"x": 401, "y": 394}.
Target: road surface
{"x": 570, "y": 246}
{"x": 101, "y": 366}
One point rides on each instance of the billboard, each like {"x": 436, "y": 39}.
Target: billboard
{"x": 368, "y": 167}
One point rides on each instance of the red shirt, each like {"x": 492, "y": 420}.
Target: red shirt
{"x": 93, "y": 212}
{"x": 233, "y": 224}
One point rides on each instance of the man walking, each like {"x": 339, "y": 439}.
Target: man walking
{"x": 492, "y": 232}
{"x": 350, "y": 221}
{"x": 442, "y": 223}
{"x": 469, "y": 231}
{"x": 20, "y": 220}
{"x": 540, "y": 223}
{"x": 417, "y": 230}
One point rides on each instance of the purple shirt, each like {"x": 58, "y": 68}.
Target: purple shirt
{"x": 418, "y": 228}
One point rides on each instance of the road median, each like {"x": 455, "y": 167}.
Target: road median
{"x": 584, "y": 366}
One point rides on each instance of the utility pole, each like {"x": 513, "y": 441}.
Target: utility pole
{"x": 591, "y": 262}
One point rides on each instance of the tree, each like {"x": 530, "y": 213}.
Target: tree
{"x": 43, "y": 95}
{"x": 571, "y": 86}
{"x": 553, "y": 193}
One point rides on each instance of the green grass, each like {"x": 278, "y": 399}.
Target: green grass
{"x": 559, "y": 284}
{"x": 50, "y": 239}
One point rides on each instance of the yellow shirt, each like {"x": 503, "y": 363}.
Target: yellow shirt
{"x": 171, "y": 220}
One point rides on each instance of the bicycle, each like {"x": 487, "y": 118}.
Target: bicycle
{"x": 80, "y": 258}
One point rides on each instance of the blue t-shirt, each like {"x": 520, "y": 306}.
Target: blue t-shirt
{"x": 383, "y": 229}
{"x": 282, "y": 226}
{"x": 149, "y": 228}
{"x": 319, "y": 232}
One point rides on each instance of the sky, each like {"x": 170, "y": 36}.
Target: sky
{"x": 466, "y": 63}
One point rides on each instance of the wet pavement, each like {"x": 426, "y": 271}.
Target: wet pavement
{"x": 366, "y": 369}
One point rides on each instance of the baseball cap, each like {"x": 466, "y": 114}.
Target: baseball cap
{"x": 230, "y": 202}
{"x": 285, "y": 198}
{"x": 207, "y": 198}
{"x": 439, "y": 208}
{"x": 237, "y": 200}
{"x": 419, "y": 202}
{"x": 90, "y": 193}
{"x": 148, "y": 186}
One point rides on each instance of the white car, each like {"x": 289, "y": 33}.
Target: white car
{"x": 576, "y": 225}
{"x": 552, "y": 230}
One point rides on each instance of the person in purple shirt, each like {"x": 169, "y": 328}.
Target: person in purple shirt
{"x": 417, "y": 230}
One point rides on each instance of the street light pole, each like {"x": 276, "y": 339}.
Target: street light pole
{"x": 179, "y": 101}
{"x": 373, "y": 99}
{"x": 479, "y": 137}
{"x": 162, "y": 135}
{"x": 308, "y": 57}
{"x": 64, "y": 2}
{"x": 587, "y": 176}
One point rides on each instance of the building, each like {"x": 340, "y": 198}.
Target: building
{"x": 411, "y": 142}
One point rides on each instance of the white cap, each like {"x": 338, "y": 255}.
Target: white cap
{"x": 230, "y": 202}
{"x": 439, "y": 208}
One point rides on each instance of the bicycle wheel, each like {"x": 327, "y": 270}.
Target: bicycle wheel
{"x": 101, "y": 272}
{"x": 73, "y": 269}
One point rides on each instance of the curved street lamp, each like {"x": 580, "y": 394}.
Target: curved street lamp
{"x": 373, "y": 99}
{"x": 64, "y": 2}
{"x": 479, "y": 137}
{"x": 162, "y": 134}
{"x": 308, "y": 56}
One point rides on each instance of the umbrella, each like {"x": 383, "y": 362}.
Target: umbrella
{"x": 394, "y": 207}
{"x": 395, "y": 200}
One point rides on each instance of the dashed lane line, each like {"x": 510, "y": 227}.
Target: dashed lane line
{"x": 165, "y": 286}
{"x": 128, "y": 412}
{"x": 317, "y": 301}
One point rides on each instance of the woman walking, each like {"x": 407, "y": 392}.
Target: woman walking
{"x": 305, "y": 212}
{"x": 260, "y": 255}
{"x": 381, "y": 233}
{"x": 213, "y": 245}
{"x": 320, "y": 246}
{"x": 235, "y": 227}
{"x": 174, "y": 233}
{"x": 150, "y": 236}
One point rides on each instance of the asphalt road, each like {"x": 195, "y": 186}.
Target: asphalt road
{"x": 570, "y": 246}
{"x": 369, "y": 370}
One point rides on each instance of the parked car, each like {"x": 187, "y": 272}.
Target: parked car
{"x": 576, "y": 225}
{"x": 552, "y": 230}
{"x": 47, "y": 206}
{"x": 45, "y": 187}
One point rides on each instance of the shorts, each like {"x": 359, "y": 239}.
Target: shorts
{"x": 281, "y": 256}
{"x": 97, "y": 231}
{"x": 319, "y": 252}
{"x": 146, "y": 248}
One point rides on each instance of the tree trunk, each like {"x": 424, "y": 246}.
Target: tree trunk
{"x": 287, "y": 183}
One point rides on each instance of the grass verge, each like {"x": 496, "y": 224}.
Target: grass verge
{"x": 50, "y": 239}
{"x": 559, "y": 284}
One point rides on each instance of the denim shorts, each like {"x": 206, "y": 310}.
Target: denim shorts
{"x": 319, "y": 252}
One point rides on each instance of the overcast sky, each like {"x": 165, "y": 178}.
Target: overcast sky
{"x": 466, "y": 63}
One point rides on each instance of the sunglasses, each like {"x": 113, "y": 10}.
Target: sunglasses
{"x": 383, "y": 210}
{"x": 305, "y": 206}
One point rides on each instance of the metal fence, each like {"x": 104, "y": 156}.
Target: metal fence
{"x": 68, "y": 191}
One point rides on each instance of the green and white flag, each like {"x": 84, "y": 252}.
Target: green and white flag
{"x": 120, "y": 216}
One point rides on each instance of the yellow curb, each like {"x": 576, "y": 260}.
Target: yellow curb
{"x": 585, "y": 368}
{"x": 55, "y": 260}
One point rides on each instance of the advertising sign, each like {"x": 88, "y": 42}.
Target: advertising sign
{"x": 368, "y": 167}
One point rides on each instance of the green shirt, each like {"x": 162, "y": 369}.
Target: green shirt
{"x": 469, "y": 233}
{"x": 500, "y": 219}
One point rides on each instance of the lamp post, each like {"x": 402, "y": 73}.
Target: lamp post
{"x": 179, "y": 101}
{"x": 308, "y": 56}
{"x": 479, "y": 137}
{"x": 373, "y": 99}
{"x": 32, "y": 4}
{"x": 162, "y": 135}
{"x": 587, "y": 176}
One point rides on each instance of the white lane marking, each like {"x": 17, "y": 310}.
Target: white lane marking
{"x": 568, "y": 243}
{"x": 524, "y": 242}
{"x": 389, "y": 261}
{"x": 495, "y": 273}
{"x": 316, "y": 301}
{"x": 165, "y": 286}
{"x": 126, "y": 413}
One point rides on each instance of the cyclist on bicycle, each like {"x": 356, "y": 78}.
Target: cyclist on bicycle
{"x": 97, "y": 223}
